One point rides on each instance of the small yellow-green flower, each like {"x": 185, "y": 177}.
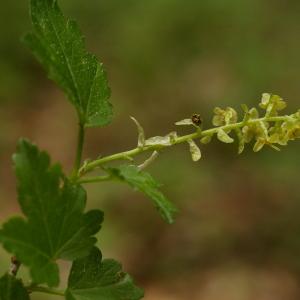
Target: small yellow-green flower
{"x": 272, "y": 103}
{"x": 224, "y": 116}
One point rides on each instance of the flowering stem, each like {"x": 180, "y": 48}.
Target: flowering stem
{"x": 80, "y": 142}
{"x": 90, "y": 166}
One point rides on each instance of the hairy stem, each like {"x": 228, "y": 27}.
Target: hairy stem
{"x": 182, "y": 139}
{"x": 45, "y": 290}
{"x": 78, "y": 158}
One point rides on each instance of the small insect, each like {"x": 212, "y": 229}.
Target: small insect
{"x": 196, "y": 119}
{"x": 14, "y": 267}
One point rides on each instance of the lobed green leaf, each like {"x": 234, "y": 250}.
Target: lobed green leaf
{"x": 59, "y": 46}
{"x": 92, "y": 278}
{"x": 56, "y": 226}
{"x": 12, "y": 289}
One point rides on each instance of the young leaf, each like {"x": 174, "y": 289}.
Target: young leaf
{"x": 259, "y": 144}
{"x": 144, "y": 182}
{"x": 59, "y": 46}
{"x": 56, "y": 226}
{"x": 12, "y": 289}
{"x": 159, "y": 141}
{"x": 224, "y": 137}
{"x": 241, "y": 140}
{"x": 245, "y": 108}
{"x": 163, "y": 141}
{"x": 92, "y": 278}
{"x": 195, "y": 150}
{"x": 185, "y": 122}
{"x": 141, "y": 132}
{"x": 148, "y": 161}
{"x": 206, "y": 139}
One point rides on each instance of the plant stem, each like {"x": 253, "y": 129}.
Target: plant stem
{"x": 80, "y": 142}
{"x": 182, "y": 139}
{"x": 45, "y": 290}
{"x": 95, "y": 179}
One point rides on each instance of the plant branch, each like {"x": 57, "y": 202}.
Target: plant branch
{"x": 78, "y": 158}
{"x": 46, "y": 290}
{"x": 182, "y": 139}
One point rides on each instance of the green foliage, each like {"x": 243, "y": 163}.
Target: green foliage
{"x": 97, "y": 279}
{"x": 56, "y": 227}
{"x": 145, "y": 183}
{"x": 12, "y": 289}
{"x": 59, "y": 46}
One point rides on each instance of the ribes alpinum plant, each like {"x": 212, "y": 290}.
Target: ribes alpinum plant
{"x": 55, "y": 224}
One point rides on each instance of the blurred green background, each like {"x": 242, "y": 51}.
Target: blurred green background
{"x": 238, "y": 232}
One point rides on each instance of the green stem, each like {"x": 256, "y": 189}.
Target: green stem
{"x": 45, "y": 290}
{"x": 95, "y": 179}
{"x": 182, "y": 139}
{"x": 80, "y": 142}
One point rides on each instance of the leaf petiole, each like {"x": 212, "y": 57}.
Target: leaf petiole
{"x": 46, "y": 290}
{"x": 78, "y": 158}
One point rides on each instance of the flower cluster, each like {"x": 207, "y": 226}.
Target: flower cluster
{"x": 271, "y": 128}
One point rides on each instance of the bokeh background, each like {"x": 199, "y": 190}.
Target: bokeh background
{"x": 237, "y": 235}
